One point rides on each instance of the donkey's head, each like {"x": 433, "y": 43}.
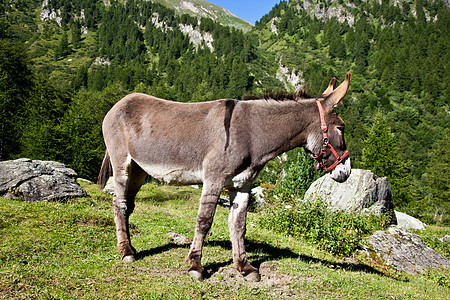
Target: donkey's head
{"x": 326, "y": 142}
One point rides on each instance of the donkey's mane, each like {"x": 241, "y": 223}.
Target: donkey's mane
{"x": 278, "y": 96}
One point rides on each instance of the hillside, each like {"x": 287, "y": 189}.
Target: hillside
{"x": 76, "y": 52}
{"x": 204, "y": 9}
{"x": 398, "y": 53}
{"x": 65, "y": 63}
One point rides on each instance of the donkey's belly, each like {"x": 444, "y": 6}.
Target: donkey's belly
{"x": 173, "y": 175}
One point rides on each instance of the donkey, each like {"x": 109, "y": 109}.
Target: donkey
{"x": 221, "y": 143}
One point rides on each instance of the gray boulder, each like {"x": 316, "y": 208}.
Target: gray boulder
{"x": 363, "y": 192}
{"x": 257, "y": 198}
{"x": 403, "y": 251}
{"x": 35, "y": 180}
{"x": 109, "y": 187}
{"x": 178, "y": 239}
{"x": 407, "y": 222}
{"x": 224, "y": 201}
{"x": 445, "y": 238}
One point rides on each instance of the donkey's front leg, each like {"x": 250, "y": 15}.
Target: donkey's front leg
{"x": 237, "y": 224}
{"x": 205, "y": 216}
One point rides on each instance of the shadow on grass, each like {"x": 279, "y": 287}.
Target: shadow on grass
{"x": 260, "y": 253}
{"x": 142, "y": 254}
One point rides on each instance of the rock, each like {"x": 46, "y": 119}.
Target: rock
{"x": 196, "y": 37}
{"x": 83, "y": 180}
{"x": 35, "y": 180}
{"x": 445, "y": 238}
{"x": 50, "y": 14}
{"x": 258, "y": 196}
{"x": 273, "y": 27}
{"x": 178, "y": 239}
{"x": 224, "y": 201}
{"x": 363, "y": 192}
{"x": 340, "y": 13}
{"x": 407, "y": 222}
{"x": 403, "y": 251}
{"x": 289, "y": 77}
{"x": 109, "y": 187}
{"x": 102, "y": 61}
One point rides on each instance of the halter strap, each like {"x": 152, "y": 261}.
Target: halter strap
{"x": 322, "y": 119}
{"x": 326, "y": 143}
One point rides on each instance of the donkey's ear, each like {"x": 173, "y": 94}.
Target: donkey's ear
{"x": 335, "y": 97}
{"x": 330, "y": 88}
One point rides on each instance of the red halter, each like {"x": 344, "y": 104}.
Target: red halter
{"x": 326, "y": 143}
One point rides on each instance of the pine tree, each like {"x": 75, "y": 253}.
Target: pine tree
{"x": 379, "y": 151}
{"x": 44, "y": 109}
{"x": 300, "y": 174}
{"x": 239, "y": 79}
{"x": 76, "y": 34}
{"x": 16, "y": 85}
{"x": 63, "y": 48}
{"x": 380, "y": 155}
{"x": 337, "y": 48}
{"x": 437, "y": 178}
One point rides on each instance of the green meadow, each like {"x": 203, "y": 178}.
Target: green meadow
{"x": 55, "y": 250}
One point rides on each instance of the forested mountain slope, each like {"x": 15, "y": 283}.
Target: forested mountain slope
{"x": 64, "y": 63}
{"x": 399, "y": 54}
{"x": 63, "y": 60}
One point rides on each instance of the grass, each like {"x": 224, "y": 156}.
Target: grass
{"x": 67, "y": 250}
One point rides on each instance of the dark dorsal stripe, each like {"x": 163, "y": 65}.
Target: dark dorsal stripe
{"x": 229, "y": 104}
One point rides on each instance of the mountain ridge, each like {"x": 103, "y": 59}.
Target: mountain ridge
{"x": 202, "y": 8}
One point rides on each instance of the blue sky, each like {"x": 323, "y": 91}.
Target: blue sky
{"x": 250, "y": 10}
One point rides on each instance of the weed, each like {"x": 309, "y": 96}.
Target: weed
{"x": 338, "y": 232}
{"x": 433, "y": 238}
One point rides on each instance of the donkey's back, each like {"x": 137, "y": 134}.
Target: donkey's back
{"x": 168, "y": 140}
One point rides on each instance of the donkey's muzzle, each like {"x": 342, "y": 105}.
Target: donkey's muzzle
{"x": 342, "y": 171}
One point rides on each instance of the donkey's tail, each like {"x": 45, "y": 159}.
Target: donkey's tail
{"x": 105, "y": 171}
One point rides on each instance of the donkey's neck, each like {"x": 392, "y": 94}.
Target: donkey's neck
{"x": 279, "y": 126}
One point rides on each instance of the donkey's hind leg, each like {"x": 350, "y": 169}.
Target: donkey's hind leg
{"x": 127, "y": 181}
{"x": 237, "y": 224}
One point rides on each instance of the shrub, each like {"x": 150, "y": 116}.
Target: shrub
{"x": 337, "y": 232}
{"x": 433, "y": 238}
{"x": 291, "y": 175}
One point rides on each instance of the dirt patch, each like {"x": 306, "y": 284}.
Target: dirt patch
{"x": 279, "y": 284}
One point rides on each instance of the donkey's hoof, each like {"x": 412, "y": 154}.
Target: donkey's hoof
{"x": 253, "y": 277}
{"x": 128, "y": 259}
{"x": 196, "y": 275}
